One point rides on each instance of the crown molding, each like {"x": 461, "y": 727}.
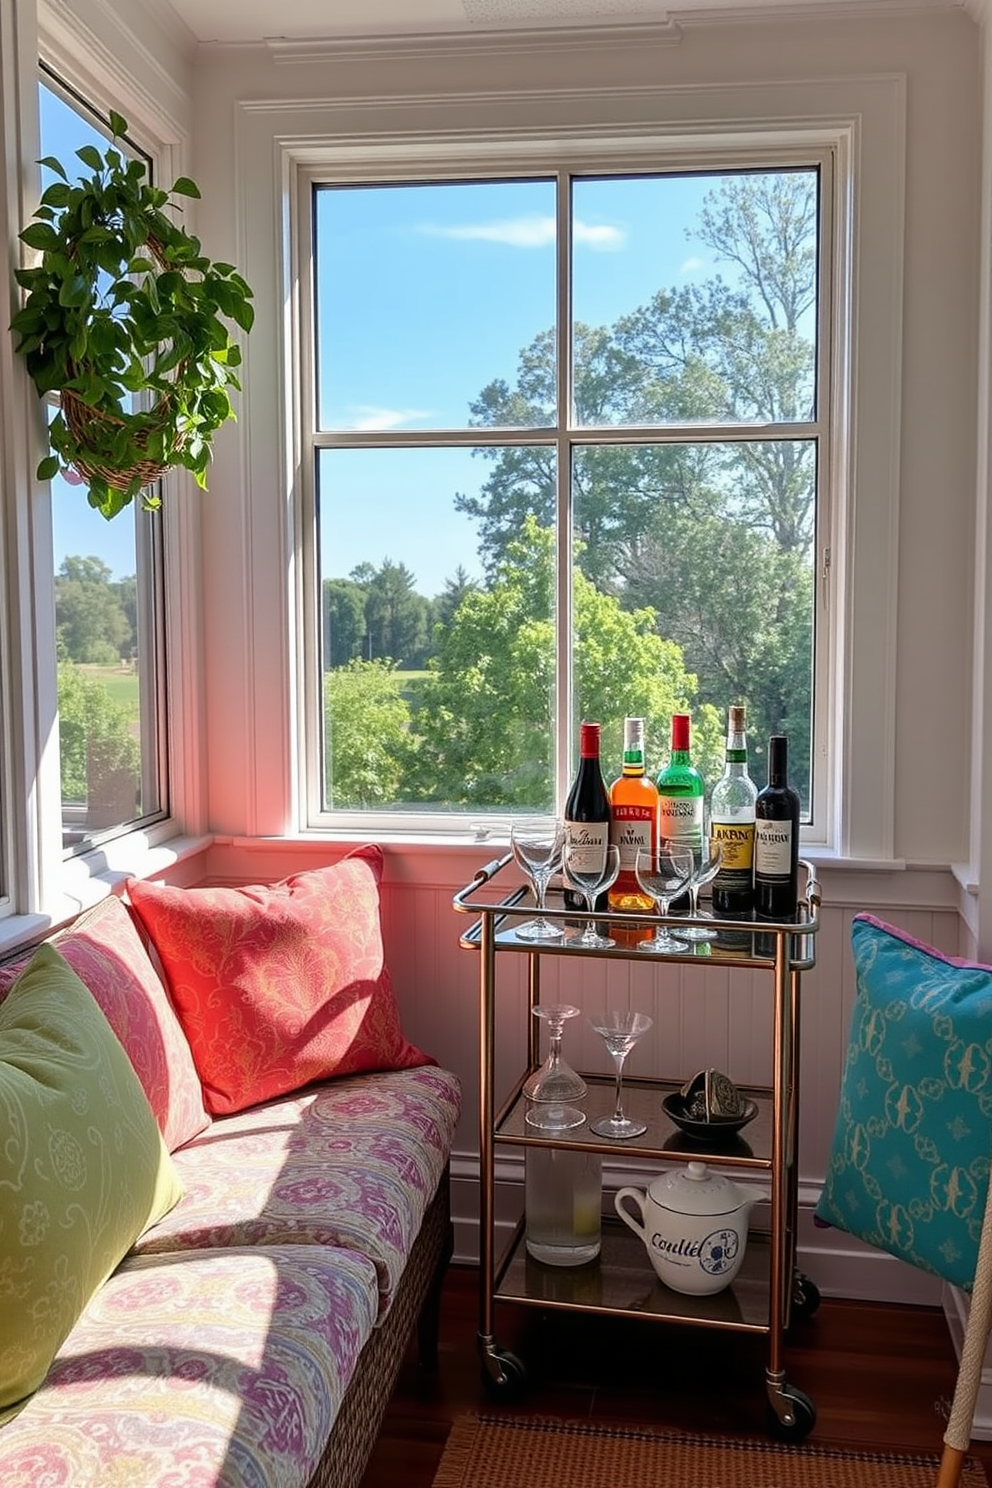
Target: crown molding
{"x": 666, "y": 30}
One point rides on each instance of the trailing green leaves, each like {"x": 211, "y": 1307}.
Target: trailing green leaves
{"x": 127, "y": 320}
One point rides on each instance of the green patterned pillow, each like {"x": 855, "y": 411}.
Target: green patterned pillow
{"x": 909, "y": 1167}
{"x": 83, "y": 1168}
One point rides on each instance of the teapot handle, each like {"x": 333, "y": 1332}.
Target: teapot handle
{"x": 638, "y": 1197}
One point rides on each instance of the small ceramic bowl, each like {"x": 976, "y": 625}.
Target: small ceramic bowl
{"x": 701, "y": 1130}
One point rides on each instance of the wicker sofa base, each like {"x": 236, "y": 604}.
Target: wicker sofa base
{"x": 416, "y": 1305}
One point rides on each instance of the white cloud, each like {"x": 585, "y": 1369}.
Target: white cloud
{"x": 692, "y": 265}
{"x": 528, "y": 232}
{"x": 371, "y": 419}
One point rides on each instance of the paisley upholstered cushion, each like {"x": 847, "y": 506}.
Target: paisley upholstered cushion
{"x": 213, "y": 1367}
{"x": 909, "y": 1166}
{"x": 84, "y": 1168}
{"x": 279, "y": 985}
{"x": 105, "y": 950}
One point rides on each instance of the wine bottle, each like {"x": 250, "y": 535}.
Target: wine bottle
{"x": 680, "y": 799}
{"x": 732, "y": 824}
{"x": 776, "y": 839}
{"x": 587, "y": 813}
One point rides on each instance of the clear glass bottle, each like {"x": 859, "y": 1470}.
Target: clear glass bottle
{"x": 563, "y": 1205}
{"x": 680, "y": 798}
{"x": 732, "y": 824}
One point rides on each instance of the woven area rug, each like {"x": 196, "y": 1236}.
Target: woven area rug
{"x": 506, "y": 1452}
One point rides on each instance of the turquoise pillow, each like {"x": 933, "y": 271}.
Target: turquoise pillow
{"x": 83, "y": 1167}
{"x": 909, "y": 1165}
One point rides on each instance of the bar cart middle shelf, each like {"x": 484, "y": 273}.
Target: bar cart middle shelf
{"x": 768, "y": 1291}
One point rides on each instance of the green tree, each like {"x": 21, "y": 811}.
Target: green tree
{"x": 484, "y": 725}
{"x": 396, "y": 616}
{"x": 92, "y": 623}
{"x": 96, "y": 735}
{"x": 343, "y": 621}
{"x": 716, "y": 538}
{"x": 366, "y": 739}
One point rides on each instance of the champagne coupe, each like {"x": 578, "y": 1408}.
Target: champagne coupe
{"x": 555, "y": 1084}
{"x": 590, "y": 881}
{"x": 706, "y": 866}
{"x": 619, "y": 1031}
{"x": 537, "y": 843}
{"x": 663, "y": 872}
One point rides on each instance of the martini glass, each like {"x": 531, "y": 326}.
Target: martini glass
{"x": 537, "y": 843}
{"x": 619, "y": 1031}
{"x": 663, "y": 872}
{"x": 706, "y": 866}
{"x": 555, "y": 1084}
{"x": 590, "y": 883}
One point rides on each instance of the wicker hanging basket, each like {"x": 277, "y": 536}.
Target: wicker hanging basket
{"x": 89, "y": 426}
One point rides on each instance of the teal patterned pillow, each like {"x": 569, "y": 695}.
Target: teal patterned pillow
{"x": 909, "y": 1166}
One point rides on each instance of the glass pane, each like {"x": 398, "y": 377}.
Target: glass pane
{"x": 437, "y": 659}
{"x": 427, "y": 297}
{"x": 695, "y": 298}
{"x": 106, "y": 622}
{"x": 694, "y": 590}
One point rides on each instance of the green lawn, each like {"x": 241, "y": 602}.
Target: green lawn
{"x": 121, "y": 683}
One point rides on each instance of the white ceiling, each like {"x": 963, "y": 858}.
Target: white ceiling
{"x": 258, "y": 20}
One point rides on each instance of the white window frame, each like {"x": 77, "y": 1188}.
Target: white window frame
{"x": 828, "y": 149}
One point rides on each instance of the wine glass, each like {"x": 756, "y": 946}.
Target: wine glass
{"x": 663, "y": 872}
{"x": 706, "y": 866}
{"x": 555, "y": 1084}
{"x": 537, "y": 843}
{"x": 590, "y": 879}
{"x": 619, "y": 1031}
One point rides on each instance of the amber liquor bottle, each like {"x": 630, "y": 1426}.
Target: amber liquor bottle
{"x": 633, "y": 825}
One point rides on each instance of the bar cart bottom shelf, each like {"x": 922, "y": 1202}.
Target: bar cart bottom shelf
{"x": 621, "y": 1283}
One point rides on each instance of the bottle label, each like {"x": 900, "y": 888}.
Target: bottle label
{"x": 737, "y": 839}
{"x": 681, "y": 816}
{"x": 585, "y": 845}
{"x": 631, "y": 829}
{"x": 773, "y": 848}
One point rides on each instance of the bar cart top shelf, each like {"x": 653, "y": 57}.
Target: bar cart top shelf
{"x": 743, "y": 942}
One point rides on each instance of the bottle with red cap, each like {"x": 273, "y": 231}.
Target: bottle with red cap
{"x": 587, "y": 812}
{"x": 680, "y": 799}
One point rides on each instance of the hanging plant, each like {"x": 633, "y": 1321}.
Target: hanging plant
{"x": 126, "y": 321}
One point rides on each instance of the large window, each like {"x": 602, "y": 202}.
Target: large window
{"x": 108, "y": 611}
{"x": 570, "y": 459}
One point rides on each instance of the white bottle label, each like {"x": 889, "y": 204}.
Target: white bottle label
{"x": 773, "y": 848}
{"x": 585, "y": 845}
{"x": 630, "y": 830}
{"x": 681, "y": 816}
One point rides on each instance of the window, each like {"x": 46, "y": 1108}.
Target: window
{"x": 570, "y": 454}
{"x": 108, "y": 612}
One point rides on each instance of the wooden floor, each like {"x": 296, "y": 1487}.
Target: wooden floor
{"x": 879, "y": 1376}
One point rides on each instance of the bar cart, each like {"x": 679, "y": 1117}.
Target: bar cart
{"x": 769, "y": 1291}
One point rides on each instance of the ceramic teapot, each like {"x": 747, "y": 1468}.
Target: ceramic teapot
{"x": 694, "y": 1227}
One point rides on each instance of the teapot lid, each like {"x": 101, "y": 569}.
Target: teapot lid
{"x": 695, "y": 1190}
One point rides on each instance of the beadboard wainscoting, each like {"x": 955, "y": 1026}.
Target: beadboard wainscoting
{"x": 703, "y": 1015}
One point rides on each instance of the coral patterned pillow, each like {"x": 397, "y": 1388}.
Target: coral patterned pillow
{"x": 279, "y": 985}
{"x": 105, "y": 951}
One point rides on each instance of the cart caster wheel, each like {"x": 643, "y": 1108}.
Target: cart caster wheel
{"x": 791, "y": 1413}
{"x": 805, "y": 1297}
{"x": 504, "y": 1376}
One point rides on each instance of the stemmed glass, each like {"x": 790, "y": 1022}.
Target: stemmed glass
{"x": 555, "y": 1084}
{"x": 706, "y": 866}
{"x": 590, "y": 882}
{"x": 663, "y": 872}
{"x": 619, "y": 1031}
{"x": 537, "y": 843}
